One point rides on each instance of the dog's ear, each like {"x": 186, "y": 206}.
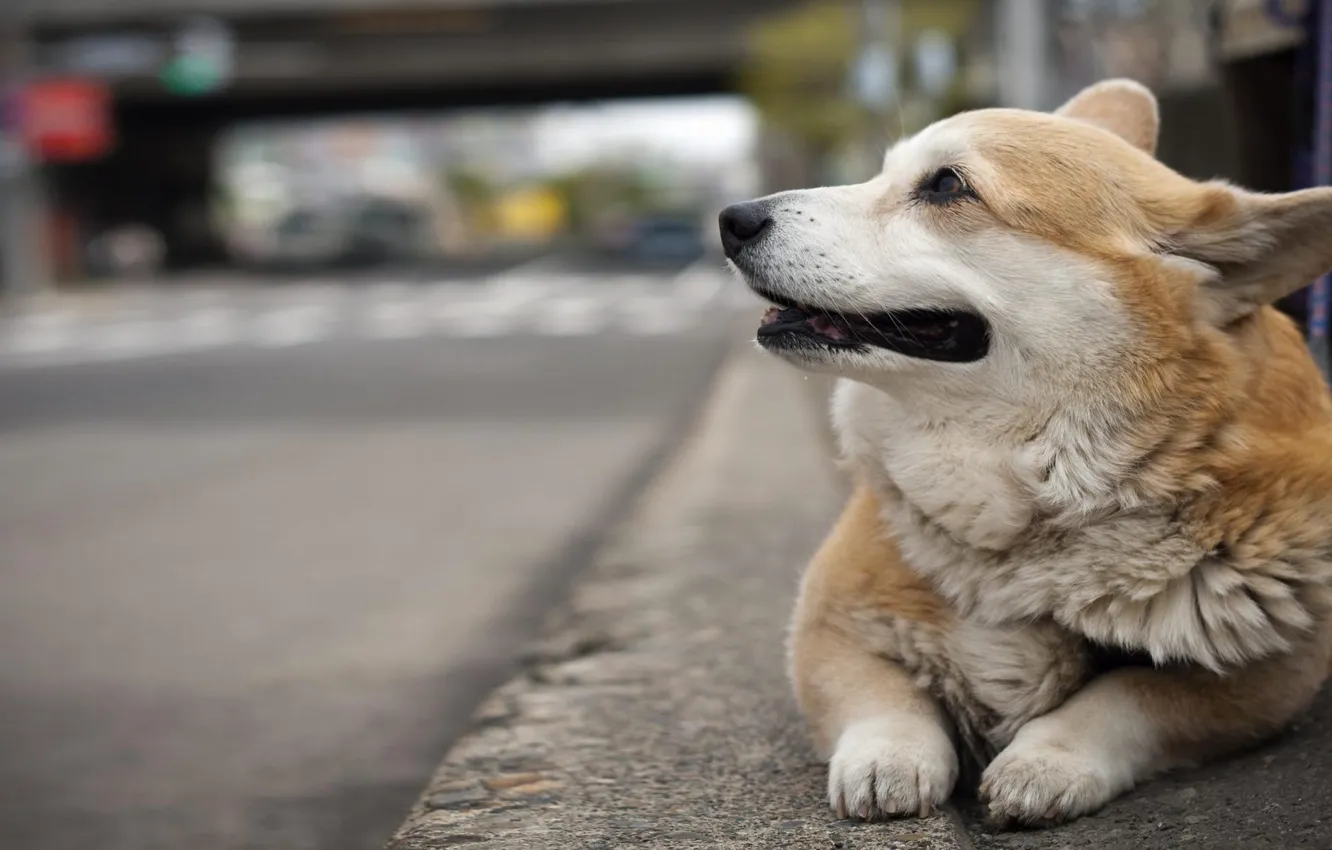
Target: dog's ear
{"x": 1124, "y": 107}
{"x": 1263, "y": 246}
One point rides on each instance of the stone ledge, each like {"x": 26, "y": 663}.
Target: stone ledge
{"x": 656, "y": 711}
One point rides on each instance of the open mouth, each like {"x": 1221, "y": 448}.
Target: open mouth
{"x": 952, "y": 336}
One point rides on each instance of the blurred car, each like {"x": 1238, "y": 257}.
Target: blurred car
{"x": 667, "y": 240}
{"x": 361, "y": 232}
{"x": 380, "y": 230}
{"x": 304, "y": 237}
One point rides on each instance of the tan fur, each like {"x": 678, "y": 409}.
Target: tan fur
{"x": 859, "y": 596}
{"x": 1152, "y": 470}
{"x": 843, "y": 676}
{"x": 1122, "y": 107}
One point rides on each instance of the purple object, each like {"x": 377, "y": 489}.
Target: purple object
{"x": 11, "y": 109}
{"x": 1321, "y": 292}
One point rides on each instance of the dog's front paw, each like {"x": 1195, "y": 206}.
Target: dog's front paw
{"x": 1046, "y": 776}
{"x": 891, "y": 767}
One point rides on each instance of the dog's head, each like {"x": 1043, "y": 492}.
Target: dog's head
{"x": 1016, "y": 253}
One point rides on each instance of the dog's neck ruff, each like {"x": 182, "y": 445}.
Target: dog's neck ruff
{"x": 1118, "y": 571}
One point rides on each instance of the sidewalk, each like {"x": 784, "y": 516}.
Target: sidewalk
{"x": 657, "y": 713}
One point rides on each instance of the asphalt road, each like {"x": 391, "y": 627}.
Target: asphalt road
{"x": 248, "y": 594}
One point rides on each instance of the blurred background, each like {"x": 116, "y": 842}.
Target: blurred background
{"x": 332, "y": 331}
{"x": 299, "y": 134}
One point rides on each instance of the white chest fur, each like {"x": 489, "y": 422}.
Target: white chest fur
{"x": 968, "y": 486}
{"x": 964, "y": 513}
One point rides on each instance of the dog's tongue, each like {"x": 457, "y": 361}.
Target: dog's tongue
{"x": 824, "y": 325}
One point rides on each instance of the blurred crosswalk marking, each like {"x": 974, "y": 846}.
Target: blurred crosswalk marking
{"x": 291, "y": 326}
{"x": 397, "y": 320}
{"x": 475, "y": 318}
{"x": 525, "y": 301}
{"x": 699, "y": 283}
{"x": 209, "y": 327}
{"x": 130, "y": 338}
{"x": 38, "y": 333}
{"x": 654, "y": 324}
{"x": 572, "y": 317}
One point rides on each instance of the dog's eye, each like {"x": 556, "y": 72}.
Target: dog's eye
{"x": 944, "y": 185}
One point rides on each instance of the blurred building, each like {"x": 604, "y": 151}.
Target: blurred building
{"x": 183, "y": 73}
{"x": 1222, "y": 69}
{"x": 830, "y": 82}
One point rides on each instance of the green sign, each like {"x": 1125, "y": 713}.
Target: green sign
{"x": 191, "y": 75}
{"x": 203, "y": 58}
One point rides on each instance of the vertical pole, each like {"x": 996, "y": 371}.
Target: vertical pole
{"x": 1022, "y": 27}
{"x": 878, "y": 87}
{"x": 1321, "y": 293}
{"x": 23, "y": 266}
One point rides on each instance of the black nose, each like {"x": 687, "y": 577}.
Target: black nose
{"x": 742, "y": 224}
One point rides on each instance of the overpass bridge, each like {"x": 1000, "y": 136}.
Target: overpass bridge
{"x": 321, "y": 57}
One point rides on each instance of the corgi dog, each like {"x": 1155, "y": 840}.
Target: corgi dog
{"x": 1090, "y": 537}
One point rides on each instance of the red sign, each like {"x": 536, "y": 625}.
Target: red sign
{"x": 66, "y": 120}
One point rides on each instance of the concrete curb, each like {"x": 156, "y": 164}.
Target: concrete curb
{"x": 656, "y": 711}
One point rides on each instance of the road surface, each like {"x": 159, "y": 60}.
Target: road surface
{"x": 266, "y": 547}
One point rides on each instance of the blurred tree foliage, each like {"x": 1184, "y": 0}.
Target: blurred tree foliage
{"x": 469, "y": 186}
{"x": 795, "y": 72}
{"x": 590, "y": 197}
{"x": 474, "y": 193}
{"x": 798, "y": 62}
{"x": 589, "y": 192}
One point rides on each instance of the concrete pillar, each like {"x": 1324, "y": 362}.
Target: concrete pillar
{"x": 24, "y": 266}
{"x": 881, "y": 37}
{"x": 1023, "y": 31}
